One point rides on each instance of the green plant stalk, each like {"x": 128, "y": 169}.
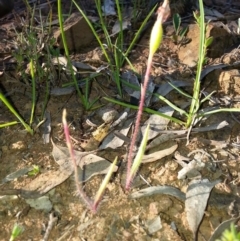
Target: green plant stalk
{"x": 8, "y": 124}
{"x": 33, "y": 91}
{"x": 180, "y": 91}
{"x": 201, "y": 53}
{"x": 83, "y": 99}
{"x": 103, "y": 186}
{"x": 116, "y": 70}
{"x": 137, "y": 35}
{"x": 10, "y": 107}
{"x": 139, "y": 156}
{"x": 104, "y": 28}
{"x": 119, "y": 56}
{"x": 120, "y": 35}
{"x": 218, "y": 111}
{"x": 93, "y": 30}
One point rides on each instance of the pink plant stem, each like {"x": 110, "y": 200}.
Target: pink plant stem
{"x": 80, "y": 190}
{"x": 163, "y": 13}
{"x": 138, "y": 121}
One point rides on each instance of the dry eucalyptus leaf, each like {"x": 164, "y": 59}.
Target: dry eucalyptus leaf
{"x": 16, "y": 174}
{"x": 212, "y": 127}
{"x": 126, "y": 23}
{"x": 157, "y": 122}
{"x": 90, "y": 164}
{"x": 159, "y": 154}
{"x": 197, "y": 196}
{"x": 112, "y": 141}
{"x": 131, "y": 78}
{"x": 161, "y": 139}
{"x": 95, "y": 166}
{"x": 165, "y": 88}
{"x": 167, "y": 190}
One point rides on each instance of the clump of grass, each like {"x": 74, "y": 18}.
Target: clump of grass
{"x": 115, "y": 50}
{"x": 29, "y": 49}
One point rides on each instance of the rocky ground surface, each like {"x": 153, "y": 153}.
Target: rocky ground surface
{"x": 45, "y": 202}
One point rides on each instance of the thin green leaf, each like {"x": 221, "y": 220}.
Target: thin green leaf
{"x": 176, "y": 22}
{"x": 183, "y": 32}
{"x": 148, "y": 110}
{"x": 138, "y": 159}
{"x": 103, "y": 186}
{"x": 219, "y": 110}
{"x": 209, "y": 41}
{"x": 180, "y": 91}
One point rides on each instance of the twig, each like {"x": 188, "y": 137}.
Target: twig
{"x": 52, "y": 220}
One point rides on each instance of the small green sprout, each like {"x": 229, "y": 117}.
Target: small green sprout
{"x": 16, "y": 231}
{"x": 180, "y": 33}
{"x": 35, "y": 171}
{"x": 230, "y": 234}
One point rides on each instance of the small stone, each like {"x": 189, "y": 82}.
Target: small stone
{"x": 17, "y": 146}
{"x": 154, "y": 225}
{"x": 42, "y": 203}
{"x": 107, "y": 114}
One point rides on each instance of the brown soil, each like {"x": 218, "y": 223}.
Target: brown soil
{"x": 118, "y": 217}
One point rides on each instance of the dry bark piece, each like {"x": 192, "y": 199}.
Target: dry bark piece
{"x": 159, "y": 154}
{"x": 167, "y": 190}
{"x": 77, "y": 32}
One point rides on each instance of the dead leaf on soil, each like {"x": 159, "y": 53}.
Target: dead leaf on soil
{"x": 90, "y": 164}
{"x": 161, "y": 139}
{"x": 157, "y": 122}
{"x": 95, "y": 166}
{"x": 159, "y": 154}
{"x": 167, "y": 190}
{"x": 112, "y": 141}
{"x": 166, "y": 88}
{"x": 212, "y": 127}
{"x": 197, "y": 196}
{"x": 108, "y": 8}
{"x": 131, "y": 78}
{"x": 16, "y": 174}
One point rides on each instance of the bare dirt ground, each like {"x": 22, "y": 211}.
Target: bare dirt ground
{"x": 120, "y": 217}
